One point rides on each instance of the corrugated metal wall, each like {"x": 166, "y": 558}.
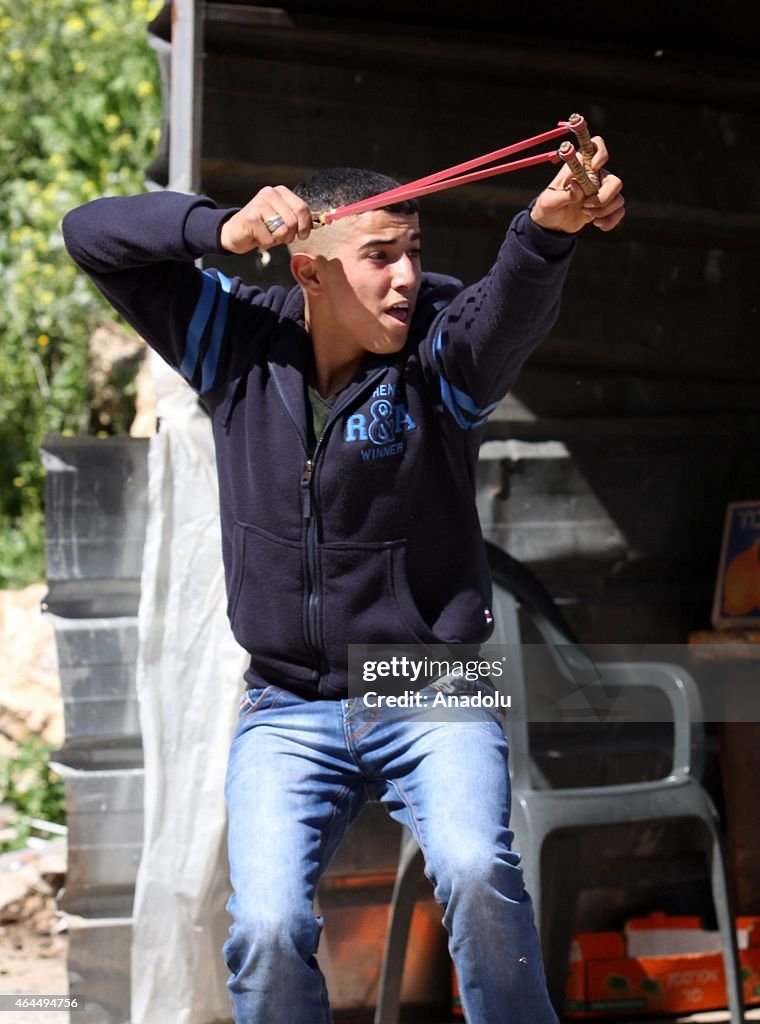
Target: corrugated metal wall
{"x": 96, "y": 508}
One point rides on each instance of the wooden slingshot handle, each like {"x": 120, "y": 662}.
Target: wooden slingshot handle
{"x": 577, "y": 124}
{"x": 567, "y": 153}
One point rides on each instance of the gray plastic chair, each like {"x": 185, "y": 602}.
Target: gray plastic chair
{"x": 538, "y": 813}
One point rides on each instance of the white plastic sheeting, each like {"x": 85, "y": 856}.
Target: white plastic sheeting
{"x": 189, "y": 679}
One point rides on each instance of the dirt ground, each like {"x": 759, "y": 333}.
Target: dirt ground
{"x": 33, "y": 941}
{"x": 33, "y": 956}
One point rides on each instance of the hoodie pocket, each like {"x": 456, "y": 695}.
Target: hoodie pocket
{"x": 367, "y": 598}
{"x": 266, "y": 594}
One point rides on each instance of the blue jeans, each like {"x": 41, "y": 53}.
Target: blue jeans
{"x": 299, "y": 773}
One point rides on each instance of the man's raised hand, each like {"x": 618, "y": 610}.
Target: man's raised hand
{"x": 562, "y": 206}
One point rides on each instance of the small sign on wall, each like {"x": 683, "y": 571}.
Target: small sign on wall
{"x": 737, "y": 588}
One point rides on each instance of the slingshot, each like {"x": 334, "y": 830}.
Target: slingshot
{"x": 464, "y": 173}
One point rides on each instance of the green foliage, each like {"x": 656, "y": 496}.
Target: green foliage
{"x": 79, "y": 109}
{"x": 30, "y": 787}
{"x": 22, "y": 542}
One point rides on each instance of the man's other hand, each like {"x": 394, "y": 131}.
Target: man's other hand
{"x": 289, "y": 217}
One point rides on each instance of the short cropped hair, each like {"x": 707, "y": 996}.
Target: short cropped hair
{"x": 340, "y": 186}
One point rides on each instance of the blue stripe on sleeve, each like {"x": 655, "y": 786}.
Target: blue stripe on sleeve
{"x": 454, "y": 409}
{"x": 198, "y": 326}
{"x": 456, "y": 401}
{"x": 211, "y": 360}
{"x": 465, "y": 402}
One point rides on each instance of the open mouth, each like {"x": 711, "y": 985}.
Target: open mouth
{"x": 400, "y": 311}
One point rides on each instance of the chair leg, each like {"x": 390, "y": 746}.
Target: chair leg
{"x": 559, "y": 896}
{"x": 724, "y": 913}
{"x": 408, "y": 876}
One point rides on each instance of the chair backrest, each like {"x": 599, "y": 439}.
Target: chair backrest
{"x": 594, "y": 687}
{"x": 527, "y": 590}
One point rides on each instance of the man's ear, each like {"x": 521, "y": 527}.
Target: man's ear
{"x": 307, "y": 272}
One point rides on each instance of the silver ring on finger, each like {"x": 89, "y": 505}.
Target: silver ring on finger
{"x": 274, "y": 223}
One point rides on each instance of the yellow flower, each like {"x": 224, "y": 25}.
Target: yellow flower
{"x": 96, "y": 36}
{"x": 81, "y": 65}
{"x": 75, "y": 24}
{"x": 112, "y": 122}
{"x": 46, "y": 298}
{"x": 123, "y": 141}
{"x": 143, "y": 90}
{"x": 43, "y": 340}
{"x": 18, "y": 481}
{"x": 16, "y": 56}
{"x": 56, "y": 160}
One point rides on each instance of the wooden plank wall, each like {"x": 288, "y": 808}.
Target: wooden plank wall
{"x": 650, "y": 378}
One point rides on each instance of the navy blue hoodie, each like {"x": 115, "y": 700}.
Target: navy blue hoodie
{"x": 372, "y": 537}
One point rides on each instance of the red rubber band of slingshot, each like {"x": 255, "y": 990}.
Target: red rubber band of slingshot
{"x": 453, "y": 176}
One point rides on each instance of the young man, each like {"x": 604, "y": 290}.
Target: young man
{"x": 347, "y": 415}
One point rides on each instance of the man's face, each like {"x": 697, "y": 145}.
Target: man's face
{"x": 371, "y": 278}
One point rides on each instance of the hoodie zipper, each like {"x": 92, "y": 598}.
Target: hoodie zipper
{"x": 312, "y": 568}
{"x": 311, "y": 546}
{"x": 309, "y": 512}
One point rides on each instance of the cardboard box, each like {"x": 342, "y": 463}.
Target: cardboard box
{"x": 660, "y": 965}
{"x": 657, "y": 965}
